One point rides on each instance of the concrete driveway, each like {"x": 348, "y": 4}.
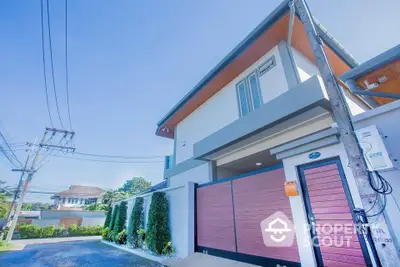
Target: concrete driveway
{"x": 71, "y": 254}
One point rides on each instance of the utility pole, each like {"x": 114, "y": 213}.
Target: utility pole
{"x": 44, "y": 144}
{"x": 383, "y": 241}
{"x": 16, "y": 196}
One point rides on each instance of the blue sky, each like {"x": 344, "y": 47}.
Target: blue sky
{"x": 131, "y": 61}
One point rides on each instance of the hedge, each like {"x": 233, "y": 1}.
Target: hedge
{"x": 108, "y": 218}
{"x": 158, "y": 234}
{"x": 34, "y": 231}
{"x": 112, "y": 221}
{"x": 135, "y": 223}
{"x": 120, "y": 220}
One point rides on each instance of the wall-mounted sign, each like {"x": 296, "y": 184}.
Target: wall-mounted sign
{"x": 314, "y": 155}
{"x": 291, "y": 189}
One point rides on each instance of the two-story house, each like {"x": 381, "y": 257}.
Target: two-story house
{"x": 261, "y": 118}
{"x": 77, "y": 197}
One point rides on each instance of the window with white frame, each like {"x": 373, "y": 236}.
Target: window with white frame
{"x": 249, "y": 94}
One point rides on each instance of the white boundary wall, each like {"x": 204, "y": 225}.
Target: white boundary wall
{"x": 181, "y": 216}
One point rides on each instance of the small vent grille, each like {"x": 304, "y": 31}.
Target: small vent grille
{"x": 266, "y": 66}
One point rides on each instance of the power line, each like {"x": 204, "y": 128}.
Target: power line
{"x": 10, "y": 149}
{"x": 52, "y": 62}
{"x": 44, "y": 63}
{"x": 66, "y": 62}
{"x": 8, "y": 157}
{"x": 112, "y": 156}
{"x": 110, "y": 161}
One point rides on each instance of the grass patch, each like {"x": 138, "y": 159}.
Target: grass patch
{"x": 8, "y": 246}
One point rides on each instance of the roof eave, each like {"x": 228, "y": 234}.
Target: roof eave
{"x": 269, "y": 21}
{"x": 372, "y": 64}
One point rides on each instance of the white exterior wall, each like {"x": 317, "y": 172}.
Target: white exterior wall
{"x": 297, "y": 204}
{"x": 181, "y": 216}
{"x": 297, "y": 131}
{"x": 199, "y": 175}
{"x": 386, "y": 119}
{"x": 45, "y": 222}
{"x": 222, "y": 108}
{"x": 87, "y": 221}
{"x": 307, "y": 69}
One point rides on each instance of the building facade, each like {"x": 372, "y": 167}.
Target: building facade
{"x": 77, "y": 197}
{"x": 258, "y": 122}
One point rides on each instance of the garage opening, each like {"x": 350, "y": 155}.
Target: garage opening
{"x": 251, "y": 163}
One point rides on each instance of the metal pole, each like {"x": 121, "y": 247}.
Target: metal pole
{"x": 26, "y": 186}
{"x": 388, "y": 254}
{"x": 11, "y": 213}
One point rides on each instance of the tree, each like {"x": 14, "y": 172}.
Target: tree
{"x": 120, "y": 219}
{"x": 5, "y": 194}
{"x": 112, "y": 221}
{"x": 108, "y": 219}
{"x": 97, "y": 207}
{"x": 135, "y": 222}
{"x": 26, "y": 207}
{"x": 111, "y": 196}
{"x": 135, "y": 186}
{"x": 158, "y": 234}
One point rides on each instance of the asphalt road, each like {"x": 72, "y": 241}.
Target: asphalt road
{"x": 71, "y": 254}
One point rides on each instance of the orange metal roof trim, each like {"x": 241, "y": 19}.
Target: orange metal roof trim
{"x": 392, "y": 85}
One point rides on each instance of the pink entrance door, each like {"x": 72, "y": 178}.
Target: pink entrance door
{"x": 330, "y": 210}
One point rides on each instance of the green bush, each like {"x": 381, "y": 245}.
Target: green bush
{"x": 142, "y": 237}
{"x": 61, "y": 232}
{"x": 29, "y": 231}
{"x": 135, "y": 223}
{"x": 47, "y": 231}
{"x": 104, "y": 233}
{"x": 34, "y": 231}
{"x": 158, "y": 234}
{"x": 108, "y": 218}
{"x": 113, "y": 217}
{"x": 75, "y": 230}
{"x": 121, "y": 237}
{"x": 168, "y": 249}
{"x": 120, "y": 220}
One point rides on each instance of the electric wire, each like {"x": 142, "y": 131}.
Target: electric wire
{"x": 115, "y": 156}
{"x": 52, "y": 62}
{"x": 44, "y": 63}
{"x": 66, "y": 63}
{"x": 10, "y": 149}
{"x": 110, "y": 161}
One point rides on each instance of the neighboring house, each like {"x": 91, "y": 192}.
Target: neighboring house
{"x": 62, "y": 218}
{"x": 260, "y": 118}
{"x": 77, "y": 197}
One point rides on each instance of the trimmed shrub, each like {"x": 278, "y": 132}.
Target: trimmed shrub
{"x": 120, "y": 220}
{"x": 112, "y": 222}
{"x": 29, "y": 231}
{"x": 108, "y": 218}
{"x": 61, "y": 232}
{"x": 158, "y": 234}
{"x": 135, "y": 223}
{"x": 34, "y": 231}
{"x": 142, "y": 237}
{"x": 104, "y": 233}
{"x": 168, "y": 249}
{"x": 75, "y": 230}
{"x": 47, "y": 231}
{"x": 121, "y": 237}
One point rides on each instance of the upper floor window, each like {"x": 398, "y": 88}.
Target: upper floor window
{"x": 249, "y": 94}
